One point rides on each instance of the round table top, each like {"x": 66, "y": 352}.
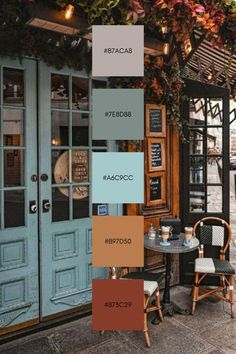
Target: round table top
{"x": 176, "y": 246}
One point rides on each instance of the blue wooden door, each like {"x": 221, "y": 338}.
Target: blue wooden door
{"x": 19, "y": 298}
{"x": 65, "y": 126}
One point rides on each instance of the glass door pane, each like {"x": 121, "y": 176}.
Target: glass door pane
{"x": 205, "y": 155}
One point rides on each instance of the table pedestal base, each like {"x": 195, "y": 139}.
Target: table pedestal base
{"x": 169, "y": 310}
{"x": 172, "y": 308}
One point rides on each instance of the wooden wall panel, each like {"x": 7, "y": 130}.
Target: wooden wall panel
{"x": 152, "y": 215}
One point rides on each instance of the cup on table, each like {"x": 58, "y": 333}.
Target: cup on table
{"x": 165, "y": 234}
{"x": 188, "y": 235}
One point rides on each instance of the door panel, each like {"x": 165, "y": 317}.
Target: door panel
{"x": 19, "y": 300}
{"x": 65, "y": 158}
{"x": 205, "y": 160}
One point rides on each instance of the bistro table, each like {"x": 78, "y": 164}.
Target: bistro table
{"x": 176, "y": 246}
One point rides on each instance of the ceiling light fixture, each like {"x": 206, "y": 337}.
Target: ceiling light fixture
{"x": 57, "y": 21}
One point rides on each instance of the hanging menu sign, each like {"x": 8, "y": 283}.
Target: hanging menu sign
{"x": 155, "y": 117}
{"x": 156, "y": 154}
{"x": 155, "y": 120}
{"x": 80, "y": 166}
{"x": 155, "y": 188}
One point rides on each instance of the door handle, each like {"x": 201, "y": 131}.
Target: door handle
{"x": 33, "y": 207}
{"x": 34, "y": 178}
{"x": 46, "y": 205}
{"x": 44, "y": 177}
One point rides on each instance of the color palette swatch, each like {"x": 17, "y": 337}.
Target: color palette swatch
{"x": 118, "y": 305}
{"x": 118, "y": 241}
{"x": 117, "y": 177}
{"x": 118, "y": 114}
{"x": 118, "y": 50}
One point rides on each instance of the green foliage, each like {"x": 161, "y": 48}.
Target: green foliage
{"x": 161, "y": 82}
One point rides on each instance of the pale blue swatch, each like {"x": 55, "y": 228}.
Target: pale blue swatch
{"x": 118, "y": 177}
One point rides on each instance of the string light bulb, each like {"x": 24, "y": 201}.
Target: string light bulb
{"x": 164, "y": 27}
{"x": 166, "y": 48}
{"x": 187, "y": 46}
{"x": 69, "y": 11}
{"x": 210, "y": 76}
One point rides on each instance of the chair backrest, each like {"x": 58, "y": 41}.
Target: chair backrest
{"x": 213, "y": 231}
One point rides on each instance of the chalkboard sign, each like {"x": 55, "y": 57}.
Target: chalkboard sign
{"x": 155, "y": 116}
{"x": 156, "y": 154}
{"x": 155, "y": 188}
{"x": 155, "y": 120}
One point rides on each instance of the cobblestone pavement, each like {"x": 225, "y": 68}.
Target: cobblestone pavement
{"x": 210, "y": 331}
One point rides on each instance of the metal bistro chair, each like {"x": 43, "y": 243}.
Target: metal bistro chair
{"x": 213, "y": 235}
{"x": 151, "y": 288}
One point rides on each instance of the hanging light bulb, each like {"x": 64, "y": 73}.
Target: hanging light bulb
{"x": 164, "y": 27}
{"x": 187, "y": 46}
{"x": 166, "y": 48}
{"x": 210, "y": 76}
{"x": 69, "y": 11}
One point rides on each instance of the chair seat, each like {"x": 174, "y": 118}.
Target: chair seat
{"x": 213, "y": 266}
{"x": 150, "y": 287}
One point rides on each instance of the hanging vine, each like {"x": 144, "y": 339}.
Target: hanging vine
{"x": 162, "y": 82}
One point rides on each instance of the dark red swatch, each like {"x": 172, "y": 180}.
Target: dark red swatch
{"x": 118, "y": 305}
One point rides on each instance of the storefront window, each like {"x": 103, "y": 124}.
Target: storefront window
{"x": 206, "y": 151}
{"x": 72, "y": 146}
{"x": 12, "y": 148}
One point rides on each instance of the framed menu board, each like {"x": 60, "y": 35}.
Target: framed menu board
{"x": 155, "y": 120}
{"x": 156, "y": 189}
{"x": 156, "y": 154}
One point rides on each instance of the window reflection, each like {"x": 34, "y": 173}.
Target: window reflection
{"x": 80, "y": 129}
{"x": 59, "y": 91}
{"x": 197, "y": 199}
{"x": 80, "y": 202}
{"x": 13, "y": 168}
{"x": 14, "y": 208}
{"x": 196, "y": 141}
{"x": 214, "y": 111}
{"x": 80, "y": 93}
{"x": 214, "y": 199}
{"x": 13, "y": 87}
{"x": 214, "y": 169}
{"x": 60, "y": 166}
{"x": 197, "y": 111}
{"x": 214, "y": 141}
{"x": 60, "y": 204}
{"x": 60, "y": 128}
{"x": 13, "y": 127}
{"x": 197, "y": 169}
